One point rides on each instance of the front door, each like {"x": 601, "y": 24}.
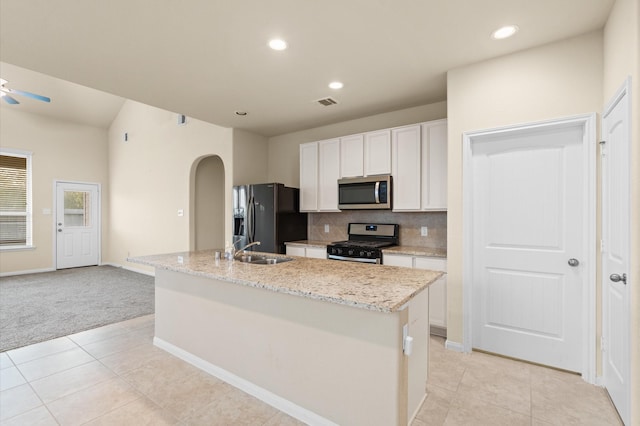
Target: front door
{"x": 529, "y": 246}
{"x": 616, "y": 229}
{"x": 77, "y": 224}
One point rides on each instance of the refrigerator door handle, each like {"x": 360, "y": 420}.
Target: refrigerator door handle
{"x": 251, "y": 216}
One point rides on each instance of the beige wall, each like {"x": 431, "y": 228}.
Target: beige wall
{"x": 249, "y": 158}
{"x": 622, "y": 59}
{"x": 61, "y": 151}
{"x": 556, "y": 80}
{"x": 151, "y": 178}
{"x": 284, "y": 155}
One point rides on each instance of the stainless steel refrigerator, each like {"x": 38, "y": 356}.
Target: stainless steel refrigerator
{"x": 269, "y": 213}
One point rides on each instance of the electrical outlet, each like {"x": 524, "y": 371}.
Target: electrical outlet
{"x": 180, "y": 212}
{"x": 326, "y": 228}
{"x": 424, "y": 231}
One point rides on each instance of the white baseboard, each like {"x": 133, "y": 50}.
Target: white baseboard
{"x": 129, "y": 268}
{"x": 454, "y": 346}
{"x": 262, "y": 394}
{"x": 30, "y": 271}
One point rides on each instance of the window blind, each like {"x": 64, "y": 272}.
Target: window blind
{"x": 13, "y": 200}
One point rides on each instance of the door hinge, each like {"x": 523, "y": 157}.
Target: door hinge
{"x": 601, "y": 246}
{"x": 602, "y": 148}
{"x": 603, "y": 344}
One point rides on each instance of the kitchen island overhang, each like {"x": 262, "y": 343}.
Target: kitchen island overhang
{"x": 318, "y": 339}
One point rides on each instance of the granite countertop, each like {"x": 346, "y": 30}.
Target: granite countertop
{"x": 374, "y": 287}
{"x": 407, "y": 250}
{"x": 416, "y": 251}
{"x": 309, "y": 243}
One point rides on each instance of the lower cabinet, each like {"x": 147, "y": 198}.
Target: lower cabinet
{"x": 315, "y": 252}
{"x": 437, "y": 290}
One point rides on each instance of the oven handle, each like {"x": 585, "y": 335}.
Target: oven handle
{"x": 353, "y": 259}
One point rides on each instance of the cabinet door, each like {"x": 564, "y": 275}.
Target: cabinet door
{"x": 406, "y": 144}
{"x": 397, "y": 260}
{"x": 317, "y": 252}
{"x": 309, "y": 176}
{"x": 328, "y": 174}
{"x": 437, "y": 290}
{"x": 377, "y": 153}
{"x": 295, "y": 251}
{"x": 351, "y": 156}
{"x": 434, "y": 165}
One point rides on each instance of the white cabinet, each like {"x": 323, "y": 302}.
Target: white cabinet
{"x": 328, "y": 174}
{"x": 302, "y": 251}
{"x": 437, "y": 290}
{"x": 319, "y": 173}
{"x": 420, "y": 167}
{"x": 406, "y": 144}
{"x": 309, "y": 177}
{"x": 366, "y": 154}
{"x": 352, "y": 156}
{"x": 434, "y": 165}
{"x": 377, "y": 153}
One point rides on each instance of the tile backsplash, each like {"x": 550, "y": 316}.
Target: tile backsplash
{"x": 410, "y": 224}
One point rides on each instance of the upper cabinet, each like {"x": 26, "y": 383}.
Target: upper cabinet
{"x": 319, "y": 174}
{"x": 328, "y": 174}
{"x": 352, "y": 156}
{"x": 415, "y": 155}
{"x": 377, "y": 153}
{"x": 419, "y": 169}
{"x": 309, "y": 177}
{"x": 434, "y": 165}
{"x": 365, "y": 154}
{"x": 406, "y": 142}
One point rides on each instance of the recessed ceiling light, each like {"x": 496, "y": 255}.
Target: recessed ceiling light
{"x": 504, "y": 32}
{"x": 241, "y": 113}
{"x": 277, "y": 44}
{"x": 336, "y": 85}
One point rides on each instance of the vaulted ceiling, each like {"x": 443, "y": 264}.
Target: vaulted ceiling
{"x": 209, "y": 58}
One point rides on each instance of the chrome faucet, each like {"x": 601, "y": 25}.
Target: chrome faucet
{"x": 242, "y": 250}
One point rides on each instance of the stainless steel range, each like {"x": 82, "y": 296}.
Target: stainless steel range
{"x": 365, "y": 242}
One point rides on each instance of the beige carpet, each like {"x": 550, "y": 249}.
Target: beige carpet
{"x": 39, "y": 307}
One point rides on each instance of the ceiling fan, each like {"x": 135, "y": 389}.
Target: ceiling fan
{"x": 6, "y": 93}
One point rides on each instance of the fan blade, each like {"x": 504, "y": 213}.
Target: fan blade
{"x": 30, "y": 95}
{"x": 8, "y": 99}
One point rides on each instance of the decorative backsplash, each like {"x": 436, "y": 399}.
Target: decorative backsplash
{"x": 410, "y": 224}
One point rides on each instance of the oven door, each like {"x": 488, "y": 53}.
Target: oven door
{"x": 354, "y": 259}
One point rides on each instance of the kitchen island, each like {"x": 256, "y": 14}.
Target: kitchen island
{"x": 324, "y": 341}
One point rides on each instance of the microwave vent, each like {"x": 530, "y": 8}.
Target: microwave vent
{"x": 327, "y": 101}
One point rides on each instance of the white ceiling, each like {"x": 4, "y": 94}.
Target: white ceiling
{"x": 209, "y": 58}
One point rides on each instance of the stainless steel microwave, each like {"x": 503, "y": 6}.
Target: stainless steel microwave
{"x": 371, "y": 192}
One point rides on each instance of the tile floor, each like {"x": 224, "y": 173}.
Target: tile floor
{"x": 113, "y": 375}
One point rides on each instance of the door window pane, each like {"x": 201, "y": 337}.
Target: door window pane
{"x": 77, "y": 208}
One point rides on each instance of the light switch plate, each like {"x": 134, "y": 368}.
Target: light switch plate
{"x": 180, "y": 212}
{"x": 424, "y": 231}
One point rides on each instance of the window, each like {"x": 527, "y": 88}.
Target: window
{"x": 15, "y": 199}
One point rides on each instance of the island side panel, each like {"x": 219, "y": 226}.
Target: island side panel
{"x": 418, "y": 361}
{"x": 342, "y": 363}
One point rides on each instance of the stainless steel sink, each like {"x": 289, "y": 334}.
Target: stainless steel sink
{"x": 262, "y": 260}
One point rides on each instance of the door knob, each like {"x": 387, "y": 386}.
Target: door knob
{"x": 617, "y": 278}
{"x": 573, "y": 262}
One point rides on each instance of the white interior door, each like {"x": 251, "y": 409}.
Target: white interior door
{"x": 616, "y": 228}
{"x": 529, "y": 248}
{"x": 77, "y": 224}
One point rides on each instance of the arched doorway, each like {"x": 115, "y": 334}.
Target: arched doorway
{"x": 208, "y": 204}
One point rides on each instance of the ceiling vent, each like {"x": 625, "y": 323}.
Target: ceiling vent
{"x": 327, "y": 101}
